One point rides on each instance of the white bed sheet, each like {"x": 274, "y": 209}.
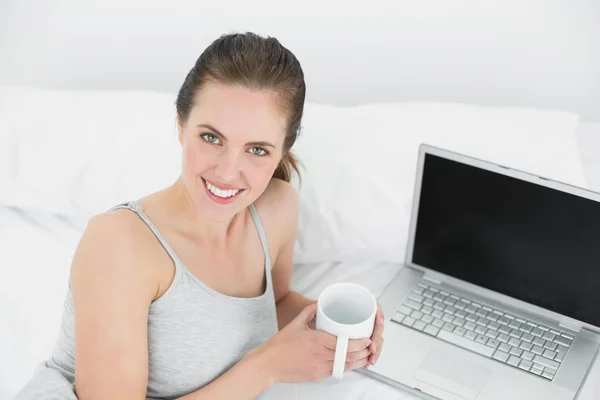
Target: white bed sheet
{"x": 35, "y": 255}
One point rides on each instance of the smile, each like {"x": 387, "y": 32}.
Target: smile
{"x": 221, "y": 193}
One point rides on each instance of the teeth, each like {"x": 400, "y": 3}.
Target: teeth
{"x": 221, "y": 193}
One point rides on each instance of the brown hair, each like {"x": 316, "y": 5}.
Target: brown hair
{"x": 255, "y": 62}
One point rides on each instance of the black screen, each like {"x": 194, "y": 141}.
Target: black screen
{"x": 527, "y": 241}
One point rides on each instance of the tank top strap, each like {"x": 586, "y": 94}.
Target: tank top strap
{"x": 263, "y": 237}
{"x": 137, "y": 208}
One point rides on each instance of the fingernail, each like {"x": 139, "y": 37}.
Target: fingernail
{"x": 374, "y": 348}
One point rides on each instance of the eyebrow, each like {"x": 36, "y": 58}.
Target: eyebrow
{"x": 257, "y": 144}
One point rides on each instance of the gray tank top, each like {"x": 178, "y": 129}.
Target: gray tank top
{"x": 195, "y": 333}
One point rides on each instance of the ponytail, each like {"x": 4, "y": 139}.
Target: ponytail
{"x": 288, "y": 166}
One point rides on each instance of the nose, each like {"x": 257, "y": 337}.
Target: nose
{"x": 228, "y": 168}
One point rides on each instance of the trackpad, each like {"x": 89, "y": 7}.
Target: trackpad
{"x": 452, "y": 374}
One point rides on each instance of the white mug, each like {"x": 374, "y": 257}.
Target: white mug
{"x": 346, "y": 310}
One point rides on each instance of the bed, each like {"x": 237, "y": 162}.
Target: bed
{"x": 36, "y": 247}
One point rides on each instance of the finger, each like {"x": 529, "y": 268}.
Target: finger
{"x": 327, "y": 340}
{"x": 375, "y": 356}
{"x": 350, "y": 365}
{"x": 376, "y": 338}
{"x": 307, "y": 314}
{"x": 358, "y": 344}
{"x": 358, "y": 355}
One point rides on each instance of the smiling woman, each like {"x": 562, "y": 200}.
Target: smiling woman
{"x": 185, "y": 293}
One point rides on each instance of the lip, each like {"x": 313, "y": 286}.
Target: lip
{"x": 217, "y": 199}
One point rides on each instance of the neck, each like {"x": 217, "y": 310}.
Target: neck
{"x": 218, "y": 231}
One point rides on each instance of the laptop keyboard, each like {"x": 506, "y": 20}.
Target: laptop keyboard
{"x": 506, "y": 338}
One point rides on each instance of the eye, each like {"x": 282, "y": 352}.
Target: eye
{"x": 210, "y": 138}
{"x": 258, "y": 151}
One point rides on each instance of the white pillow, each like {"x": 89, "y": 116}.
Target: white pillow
{"x": 360, "y": 167}
{"x": 79, "y": 153}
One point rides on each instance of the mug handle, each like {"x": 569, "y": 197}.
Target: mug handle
{"x": 339, "y": 361}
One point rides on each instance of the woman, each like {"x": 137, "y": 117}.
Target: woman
{"x": 185, "y": 293}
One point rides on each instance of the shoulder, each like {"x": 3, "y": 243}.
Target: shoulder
{"x": 112, "y": 250}
{"x": 278, "y": 210}
{"x": 280, "y": 199}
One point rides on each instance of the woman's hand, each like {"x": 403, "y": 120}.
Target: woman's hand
{"x": 298, "y": 353}
{"x": 376, "y": 337}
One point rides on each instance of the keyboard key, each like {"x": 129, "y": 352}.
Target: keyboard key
{"x": 428, "y": 294}
{"x": 480, "y": 330}
{"x": 525, "y": 346}
{"x": 405, "y": 310}
{"x": 548, "y": 336}
{"x": 470, "y": 309}
{"x": 548, "y": 375}
{"x": 492, "y": 317}
{"x": 459, "y": 321}
{"x": 504, "y": 347}
{"x": 469, "y": 326}
{"x": 559, "y": 357}
{"x": 465, "y": 343}
{"x": 481, "y": 339}
{"x": 544, "y": 328}
{"x": 460, "y": 305}
{"x": 494, "y": 325}
{"x": 455, "y": 297}
{"x": 431, "y": 330}
{"x": 482, "y": 321}
{"x": 439, "y": 306}
{"x": 470, "y": 335}
{"x": 537, "y": 332}
{"x": 516, "y": 351}
{"x": 408, "y": 321}
{"x": 448, "y": 327}
{"x": 503, "y": 321}
{"x": 545, "y": 362}
{"x": 549, "y": 354}
{"x": 413, "y": 304}
{"x": 539, "y": 366}
{"x": 426, "y": 310}
{"x": 521, "y": 320}
{"x": 525, "y": 328}
{"x": 500, "y": 356}
{"x": 550, "y": 345}
{"x": 536, "y": 371}
{"x": 476, "y": 305}
{"x": 437, "y": 314}
{"x": 491, "y": 334}
{"x": 537, "y": 350}
{"x": 514, "y": 361}
{"x": 427, "y": 319}
{"x": 504, "y": 329}
{"x": 514, "y": 325}
{"x": 435, "y": 290}
{"x": 481, "y": 313}
{"x": 539, "y": 342}
{"x": 525, "y": 365}
{"x": 449, "y": 302}
{"x": 416, "y": 314}
{"x": 503, "y": 338}
{"x": 514, "y": 342}
{"x": 566, "y": 336}
{"x": 532, "y": 324}
{"x": 471, "y": 317}
{"x": 493, "y": 343}
{"x": 486, "y": 308}
{"x": 509, "y": 316}
{"x": 428, "y": 302}
{"x": 563, "y": 341}
{"x": 515, "y": 333}
{"x": 461, "y": 314}
{"x": 447, "y": 318}
{"x": 450, "y": 310}
{"x": 416, "y": 297}
{"x": 398, "y": 317}
{"x": 527, "y": 356}
{"x": 419, "y": 325}
{"x": 438, "y": 297}
{"x": 438, "y": 323}
{"x": 418, "y": 290}
{"x": 460, "y": 331}
{"x": 527, "y": 337}
{"x": 444, "y": 293}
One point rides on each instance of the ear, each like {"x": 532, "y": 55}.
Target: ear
{"x": 179, "y": 130}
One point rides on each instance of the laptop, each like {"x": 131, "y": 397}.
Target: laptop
{"x": 500, "y": 294}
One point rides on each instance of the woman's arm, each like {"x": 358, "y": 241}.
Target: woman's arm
{"x": 113, "y": 287}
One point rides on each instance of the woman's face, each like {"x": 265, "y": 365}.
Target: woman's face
{"x": 231, "y": 142}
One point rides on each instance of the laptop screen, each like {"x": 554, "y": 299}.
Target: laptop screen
{"x": 527, "y": 241}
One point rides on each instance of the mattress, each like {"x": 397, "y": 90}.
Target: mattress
{"x": 36, "y": 251}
